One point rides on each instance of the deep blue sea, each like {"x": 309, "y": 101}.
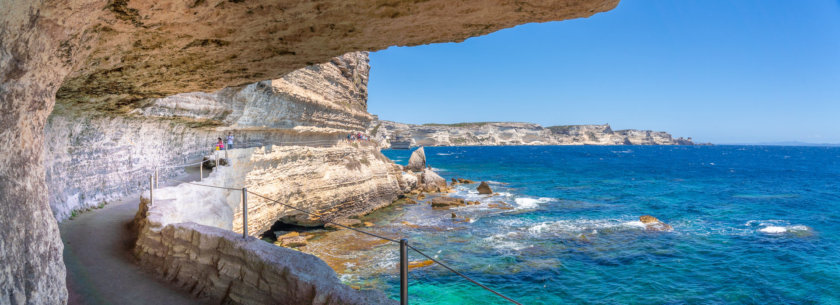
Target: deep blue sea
{"x": 751, "y": 225}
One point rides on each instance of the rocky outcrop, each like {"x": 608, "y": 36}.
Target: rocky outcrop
{"x": 417, "y": 161}
{"x": 653, "y": 224}
{"x": 505, "y": 133}
{"x": 432, "y": 182}
{"x": 484, "y": 188}
{"x": 332, "y": 182}
{"x": 113, "y": 56}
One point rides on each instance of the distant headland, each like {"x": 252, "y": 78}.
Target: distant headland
{"x": 400, "y": 135}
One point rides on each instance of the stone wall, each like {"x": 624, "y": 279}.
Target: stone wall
{"x": 226, "y": 268}
{"x": 191, "y": 234}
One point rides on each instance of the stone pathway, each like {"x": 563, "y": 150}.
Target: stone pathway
{"x": 100, "y": 266}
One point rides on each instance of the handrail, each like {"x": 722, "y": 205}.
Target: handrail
{"x": 462, "y": 275}
{"x": 402, "y": 242}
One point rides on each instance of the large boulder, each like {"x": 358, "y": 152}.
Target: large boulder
{"x": 417, "y": 162}
{"x": 654, "y": 224}
{"x": 432, "y": 182}
{"x": 484, "y": 188}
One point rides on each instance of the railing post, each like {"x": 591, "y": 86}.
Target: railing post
{"x": 156, "y": 177}
{"x": 244, "y": 212}
{"x": 151, "y": 191}
{"x": 403, "y": 272}
{"x": 216, "y": 158}
{"x": 201, "y": 170}
{"x": 226, "y": 154}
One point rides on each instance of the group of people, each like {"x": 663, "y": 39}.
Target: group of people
{"x": 358, "y": 137}
{"x": 221, "y": 145}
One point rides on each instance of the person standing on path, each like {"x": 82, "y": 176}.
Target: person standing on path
{"x": 230, "y": 140}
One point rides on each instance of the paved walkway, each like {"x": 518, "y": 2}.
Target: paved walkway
{"x": 100, "y": 266}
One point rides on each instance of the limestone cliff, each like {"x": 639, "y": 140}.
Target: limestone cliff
{"x": 92, "y": 158}
{"x": 112, "y": 56}
{"x": 507, "y": 133}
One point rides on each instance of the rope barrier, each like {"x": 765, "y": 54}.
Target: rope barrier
{"x": 375, "y": 175}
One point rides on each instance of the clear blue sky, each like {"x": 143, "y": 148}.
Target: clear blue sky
{"x": 718, "y": 71}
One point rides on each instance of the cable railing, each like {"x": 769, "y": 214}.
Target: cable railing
{"x": 403, "y": 243}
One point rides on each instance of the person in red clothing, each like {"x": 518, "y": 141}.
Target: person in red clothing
{"x": 220, "y": 145}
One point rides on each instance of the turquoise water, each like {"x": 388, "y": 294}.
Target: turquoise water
{"x": 751, "y": 225}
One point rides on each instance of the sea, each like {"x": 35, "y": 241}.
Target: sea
{"x": 751, "y": 225}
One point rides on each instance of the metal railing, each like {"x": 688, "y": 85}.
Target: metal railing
{"x": 403, "y": 243}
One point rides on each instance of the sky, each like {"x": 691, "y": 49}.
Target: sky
{"x": 718, "y": 71}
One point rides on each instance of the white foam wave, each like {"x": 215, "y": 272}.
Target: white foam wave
{"x": 578, "y": 226}
{"x": 773, "y": 230}
{"x": 775, "y": 227}
{"x": 531, "y": 203}
{"x": 495, "y": 182}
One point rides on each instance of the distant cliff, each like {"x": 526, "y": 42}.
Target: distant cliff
{"x": 506, "y": 133}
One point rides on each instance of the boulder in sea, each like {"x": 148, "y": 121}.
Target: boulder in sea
{"x": 484, "y": 188}
{"x": 465, "y": 181}
{"x": 454, "y": 181}
{"x": 654, "y": 224}
{"x": 417, "y": 161}
{"x": 432, "y": 182}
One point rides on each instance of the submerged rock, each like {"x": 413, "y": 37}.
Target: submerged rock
{"x": 419, "y": 264}
{"x": 417, "y": 161}
{"x": 500, "y": 205}
{"x": 343, "y": 221}
{"x": 292, "y": 242}
{"x": 654, "y": 224}
{"x": 484, "y": 188}
{"x": 445, "y": 202}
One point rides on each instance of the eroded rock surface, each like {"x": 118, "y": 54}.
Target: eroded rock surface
{"x": 484, "y": 188}
{"x": 96, "y": 157}
{"x": 507, "y": 133}
{"x": 111, "y": 57}
{"x": 417, "y": 161}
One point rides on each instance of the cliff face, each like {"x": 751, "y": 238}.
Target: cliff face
{"x": 490, "y": 134}
{"x": 112, "y": 56}
{"x": 92, "y": 158}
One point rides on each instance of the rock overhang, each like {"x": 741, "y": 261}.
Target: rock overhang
{"x": 141, "y": 49}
